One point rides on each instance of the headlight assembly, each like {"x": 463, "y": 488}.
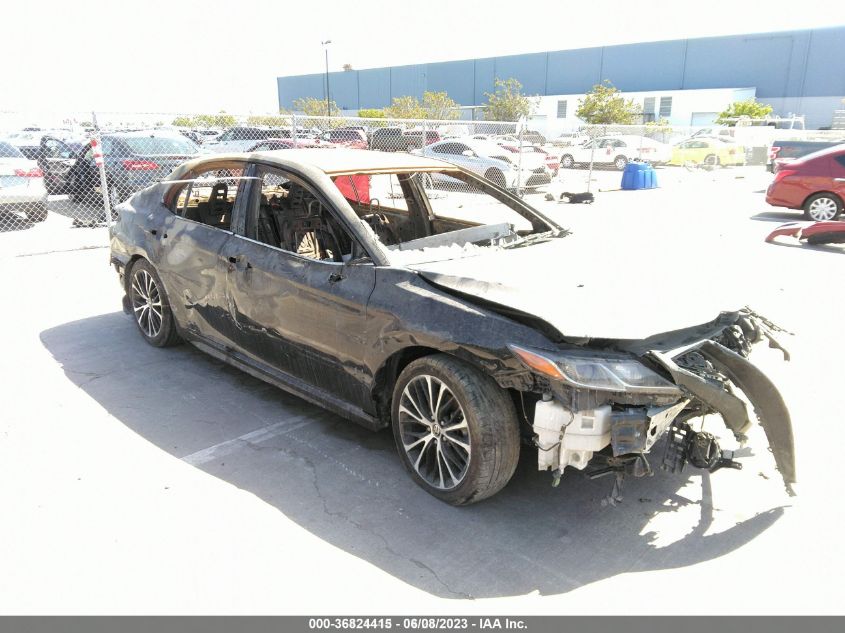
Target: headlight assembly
{"x": 602, "y": 371}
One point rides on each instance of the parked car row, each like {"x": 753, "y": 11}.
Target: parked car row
{"x": 492, "y": 161}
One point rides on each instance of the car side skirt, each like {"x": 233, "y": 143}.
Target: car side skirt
{"x": 288, "y": 383}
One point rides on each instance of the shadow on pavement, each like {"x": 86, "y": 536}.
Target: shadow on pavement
{"x": 778, "y": 216}
{"x": 347, "y": 486}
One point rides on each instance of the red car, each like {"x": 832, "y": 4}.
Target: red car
{"x": 347, "y": 137}
{"x": 814, "y": 183}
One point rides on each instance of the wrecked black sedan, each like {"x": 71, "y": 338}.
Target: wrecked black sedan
{"x": 390, "y": 289}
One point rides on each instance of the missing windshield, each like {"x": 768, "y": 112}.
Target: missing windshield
{"x": 419, "y": 215}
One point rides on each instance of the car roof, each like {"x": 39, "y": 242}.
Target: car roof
{"x": 164, "y": 133}
{"x": 344, "y": 161}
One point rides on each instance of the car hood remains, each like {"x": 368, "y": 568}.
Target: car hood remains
{"x": 586, "y": 295}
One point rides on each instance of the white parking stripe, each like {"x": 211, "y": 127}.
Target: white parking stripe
{"x": 259, "y": 435}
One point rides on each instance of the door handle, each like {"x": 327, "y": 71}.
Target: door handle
{"x": 335, "y": 277}
{"x": 238, "y": 262}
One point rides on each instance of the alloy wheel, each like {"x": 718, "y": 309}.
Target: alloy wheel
{"x": 434, "y": 432}
{"x": 146, "y": 303}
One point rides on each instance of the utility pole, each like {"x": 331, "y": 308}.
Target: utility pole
{"x": 326, "y": 48}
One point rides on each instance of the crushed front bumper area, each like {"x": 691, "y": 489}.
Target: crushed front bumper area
{"x": 709, "y": 373}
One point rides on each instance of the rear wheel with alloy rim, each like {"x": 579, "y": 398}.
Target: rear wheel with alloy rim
{"x": 620, "y": 162}
{"x": 150, "y": 307}
{"x": 455, "y": 429}
{"x": 567, "y": 162}
{"x": 822, "y": 207}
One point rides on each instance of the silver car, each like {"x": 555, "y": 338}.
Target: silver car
{"x": 490, "y": 160}
{"x": 240, "y": 138}
{"x": 22, "y": 191}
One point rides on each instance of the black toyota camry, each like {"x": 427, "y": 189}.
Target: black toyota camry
{"x": 401, "y": 291}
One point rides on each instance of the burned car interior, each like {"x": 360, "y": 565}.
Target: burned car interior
{"x": 290, "y": 217}
{"x": 377, "y": 291}
{"x": 405, "y": 212}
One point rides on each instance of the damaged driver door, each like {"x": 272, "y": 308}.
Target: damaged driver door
{"x": 296, "y": 296}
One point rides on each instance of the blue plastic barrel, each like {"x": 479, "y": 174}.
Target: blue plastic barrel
{"x": 638, "y": 175}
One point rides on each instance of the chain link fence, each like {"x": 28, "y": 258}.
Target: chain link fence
{"x": 55, "y": 175}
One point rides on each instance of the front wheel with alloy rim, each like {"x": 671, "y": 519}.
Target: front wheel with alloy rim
{"x": 620, "y": 162}
{"x": 455, "y": 429}
{"x": 567, "y": 162}
{"x": 822, "y": 207}
{"x": 150, "y": 307}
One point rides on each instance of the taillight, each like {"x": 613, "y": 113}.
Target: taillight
{"x": 783, "y": 173}
{"x": 35, "y": 172}
{"x": 648, "y": 150}
{"x": 139, "y": 165}
{"x": 773, "y": 153}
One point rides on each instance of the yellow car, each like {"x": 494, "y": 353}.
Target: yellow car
{"x": 707, "y": 151}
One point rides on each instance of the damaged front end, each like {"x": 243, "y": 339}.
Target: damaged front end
{"x": 608, "y": 406}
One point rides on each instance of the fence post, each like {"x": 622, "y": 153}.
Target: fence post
{"x": 519, "y": 162}
{"x": 97, "y": 150}
{"x": 423, "y": 144}
{"x": 293, "y": 134}
{"x": 640, "y": 151}
{"x": 592, "y": 156}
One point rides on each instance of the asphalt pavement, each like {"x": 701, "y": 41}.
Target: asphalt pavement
{"x": 144, "y": 481}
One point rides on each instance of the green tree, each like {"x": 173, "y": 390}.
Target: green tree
{"x": 658, "y": 130}
{"x": 506, "y": 102}
{"x": 268, "y": 120}
{"x": 405, "y": 108}
{"x": 434, "y": 105}
{"x": 604, "y": 104}
{"x": 440, "y": 106}
{"x": 750, "y": 108}
{"x": 205, "y": 120}
{"x": 371, "y": 113}
{"x": 310, "y": 106}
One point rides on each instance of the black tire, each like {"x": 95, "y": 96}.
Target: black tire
{"x": 496, "y": 177}
{"x": 567, "y": 162}
{"x": 620, "y": 162}
{"x": 472, "y": 401}
{"x": 823, "y": 207}
{"x": 143, "y": 293}
{"x": 38, "y": 215}
{"x": 711, "y": 159}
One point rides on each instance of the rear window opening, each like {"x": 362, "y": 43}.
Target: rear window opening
{"x": 434, "y": 215}
{"x": 160, "y": 146}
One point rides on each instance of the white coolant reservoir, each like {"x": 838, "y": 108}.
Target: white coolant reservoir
{"x": 550, "y": 418}
{"x": 589, "y": 432}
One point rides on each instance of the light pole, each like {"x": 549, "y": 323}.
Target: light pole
{"x": 326, "y": 48}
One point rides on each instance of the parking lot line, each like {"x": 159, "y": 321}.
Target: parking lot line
{"x": 253, "y": 437}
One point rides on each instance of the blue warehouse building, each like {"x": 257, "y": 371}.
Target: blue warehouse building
{"x": 797, "y": 72}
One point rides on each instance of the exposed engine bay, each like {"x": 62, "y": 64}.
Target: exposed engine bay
{"x": 602, "y": 418}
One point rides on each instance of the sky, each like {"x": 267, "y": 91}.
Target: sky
{"x": 190, "y": 56}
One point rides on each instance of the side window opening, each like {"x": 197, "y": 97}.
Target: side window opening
{"x": 209, "y": 198}
{"x": 289, "y": 216}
